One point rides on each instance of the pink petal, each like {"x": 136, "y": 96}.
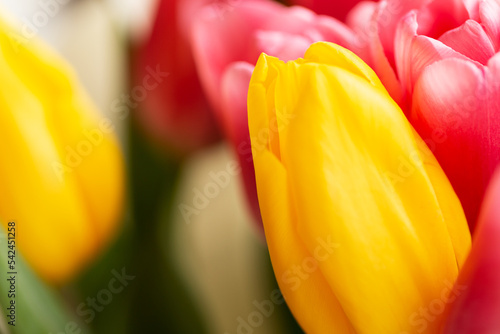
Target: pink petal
{"x": 234, "y": 89}
{"x": 287, "y": 46}
{"x": 221, "y": 37}
{"x": 176, "y": 117}
{"x": 439, "y": 16}
{"x": 477, "y": 308}
{"x": 489, "y": 14}
{"x": 385, "y": 71}
{"x": 388, "y": 17}
{"x": 456, "y": 110}
{"x": 472, "y": 8}
{"x": 380, "y": 34}
{"x": 414, "y": 53}
{"x": 334, "y": 31}
{"x": 471, "y": 40}
{"x": 360, "y": 20}
{"x": 250, "y": 27}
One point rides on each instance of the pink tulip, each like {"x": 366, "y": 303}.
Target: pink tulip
{"x": 334, "y": 8}
{"x": 440, "y": 61}
{"x": 227, "y": 41}
{"x": 477, "y": 307}
{"x": 175, "y": 112}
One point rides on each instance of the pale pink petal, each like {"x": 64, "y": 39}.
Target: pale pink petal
{"x": 334, "y": 31}
{"x": 376, "y": 54}
{"x": 361, "y": 21}
{"x": 388, "y": 17}
{"x": 361, "y": 14}
{"x": 303, "y": 22}
{"x": 234, "y": 88}
{"x": 472, "y": 8}
{"x": 281, "y": 44}
{"x": 456, "y": 110}
{"x": 386, "y": 72}
{"x": 494, "y": 64}
{"x": 471, "y": 40}
{"x": 489, "y": 14}
{"x": 414, "y": 53}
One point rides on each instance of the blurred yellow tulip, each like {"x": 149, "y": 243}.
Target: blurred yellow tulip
{"x": 62, "y": 172}
{"x": 364, "y": 230}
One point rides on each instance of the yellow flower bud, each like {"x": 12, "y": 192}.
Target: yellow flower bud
{"x": 62, "y": 173}
{"x": 363, "y": 227}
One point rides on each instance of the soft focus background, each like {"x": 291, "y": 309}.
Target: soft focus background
{"x": 206, "y": 273}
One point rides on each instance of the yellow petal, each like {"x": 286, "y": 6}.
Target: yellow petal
{"x": 357, "y": 184}
{"x": 62, "y": 176}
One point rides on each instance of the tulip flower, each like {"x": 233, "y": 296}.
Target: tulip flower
{"x": 175, "y": 112}
{"x": 336, "y": 9}
{"x": 440, "y": 60}
{"x": 61, "y": 178}
{"x": 227, "y": 41}
{"x": 363, "y": 228}
{"x": 476, "y": 309}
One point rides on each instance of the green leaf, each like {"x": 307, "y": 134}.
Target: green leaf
{"x": 38, "y": 307}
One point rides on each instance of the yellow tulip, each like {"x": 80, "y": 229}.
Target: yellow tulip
{"x": 62, "y": 174}
{"x": 365, "y": 233}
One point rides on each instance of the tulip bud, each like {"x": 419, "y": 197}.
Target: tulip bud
{"x": 61, "y": 178}
{"x": 363, "y": 228}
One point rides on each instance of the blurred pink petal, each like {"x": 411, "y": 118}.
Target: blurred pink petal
{"x": 477, "y": 307}
{"x": 174, "y": 111}
{"x": 242, "y": 32}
